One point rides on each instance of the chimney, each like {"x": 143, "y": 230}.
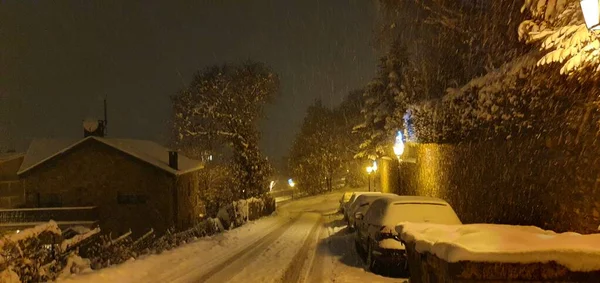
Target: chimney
{"x": 174, "y": 160}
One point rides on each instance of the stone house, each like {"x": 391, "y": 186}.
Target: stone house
{"x": 11, "y": 189}
{"x": 134, "y": 184}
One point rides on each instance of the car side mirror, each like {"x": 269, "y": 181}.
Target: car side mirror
{"x": 359, "y": 215}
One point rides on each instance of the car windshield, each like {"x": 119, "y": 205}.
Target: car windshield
{"x": 347, "y": 197}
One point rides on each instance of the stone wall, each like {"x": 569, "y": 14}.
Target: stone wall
{"x": 534, "y": 181}
{"x": 11, "y": 188}
{"x": 191, "y": 207}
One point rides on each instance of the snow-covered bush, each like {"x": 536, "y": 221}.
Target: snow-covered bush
{"x": 242, "y": 211}
{"x": 41, "y": 253}
{"x": 27, "y": 251}
{"x": 107, "y": 251}
{"x": 558, "y": 28}
{"x": 516, "y": 99}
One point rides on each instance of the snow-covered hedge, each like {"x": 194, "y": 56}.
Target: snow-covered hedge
{"x": 40, "y": 253}
{"x": 516, "y": 99}
{"x": 242, "y": 211}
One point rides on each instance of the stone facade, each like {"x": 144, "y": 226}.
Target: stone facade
{"x": 11, "y": 189}
{"x": 129, "y": 193}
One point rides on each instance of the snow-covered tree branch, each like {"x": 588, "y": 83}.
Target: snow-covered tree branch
{"x": 221, "y": 107}
{"x": 557, "y": 27}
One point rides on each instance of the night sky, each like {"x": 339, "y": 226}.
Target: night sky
{"x": 58, "y": 59}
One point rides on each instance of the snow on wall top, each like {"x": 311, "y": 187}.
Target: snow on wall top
{"x": 504, "y": 244}
{"x": 41, "y": 150}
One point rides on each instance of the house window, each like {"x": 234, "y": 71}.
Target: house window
{"x": 128, "y": 198}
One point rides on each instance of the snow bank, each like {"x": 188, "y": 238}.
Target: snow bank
{"x": 75, "y": 265}
{"x": 504, "y": 244}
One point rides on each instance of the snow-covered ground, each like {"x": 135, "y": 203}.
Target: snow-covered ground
{"x": 304, "y": 242}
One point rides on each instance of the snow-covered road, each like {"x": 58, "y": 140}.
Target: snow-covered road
{"x": 305, "y": 242}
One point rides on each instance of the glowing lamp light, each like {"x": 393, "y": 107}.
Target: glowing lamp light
{"x": 369, "y": 170}
{"x": 399, "y": 145}
{"x": 591, "y": 13}
{"x": 291, "y": 183}
{"x": 374, "y": 166}
{"x": 271, "y": 185}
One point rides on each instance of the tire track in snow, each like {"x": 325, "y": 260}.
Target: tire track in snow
{"x": 235, "y": 263}
{"x": 293, "y": 273}
{"x": 315, "y": 270}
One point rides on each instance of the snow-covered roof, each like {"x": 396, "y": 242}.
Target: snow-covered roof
{"x": 10, "y": 156}
{"x": 504, "y": 244}
{"x": 42, "y": 150}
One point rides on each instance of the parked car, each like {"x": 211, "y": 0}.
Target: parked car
{"x": 345, "y": 198}
{"x": 375, "y": 229}
{"x": 361, "y": 204}
{"x": 352, "y": 199}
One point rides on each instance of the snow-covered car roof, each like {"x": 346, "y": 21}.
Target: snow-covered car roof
{"x": 394, "y": 209}
{"x": 361, "y": 199}
{"x": 357, "y": 194}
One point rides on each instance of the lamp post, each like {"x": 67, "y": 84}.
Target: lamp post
{"x": 369, "y": 171}
{"x": 591, "y": 13}
{"x": 292, "y": 185}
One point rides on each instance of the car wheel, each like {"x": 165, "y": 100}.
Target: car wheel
{"x": 359, "y": 248}
{"x": 370, "y": 264}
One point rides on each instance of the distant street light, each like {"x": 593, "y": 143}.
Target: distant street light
{"x": 291, "y": 183}
{"x": 374, "y": 166}
{"x": 271, "y": 186}
{"x": 591, "y": 13}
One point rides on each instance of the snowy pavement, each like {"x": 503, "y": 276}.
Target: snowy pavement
{"x": 305, "y": 242}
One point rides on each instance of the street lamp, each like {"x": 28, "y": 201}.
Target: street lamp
{"x": 591, "y": 13}
{"x": 399, "y": 145}
{"x": 369, "y": 171}
{"x": 291, "y": 183}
